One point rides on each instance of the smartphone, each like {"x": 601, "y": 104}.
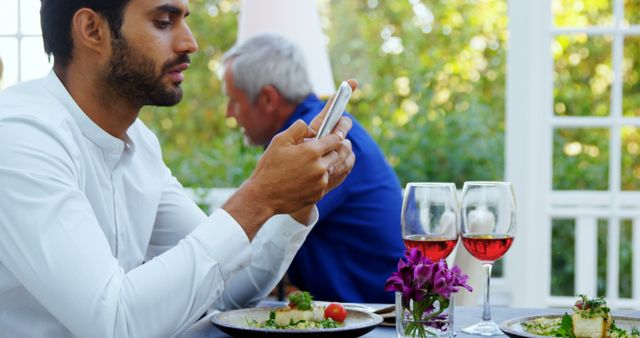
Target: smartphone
{"x": 336, "y": 108}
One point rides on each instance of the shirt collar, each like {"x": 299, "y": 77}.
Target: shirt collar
{"x": 301, "y": 110}
{"x": 90, "y": 129}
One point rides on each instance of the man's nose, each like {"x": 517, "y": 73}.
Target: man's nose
{"x": 186, "y": 43}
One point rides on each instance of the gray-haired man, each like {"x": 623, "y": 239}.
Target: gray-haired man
{"x": 357, "y": 241}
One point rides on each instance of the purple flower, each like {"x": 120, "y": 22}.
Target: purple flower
{"x": 460, "y": 278}
{"x": 419, "y": 278}
{"x": 413, "y": 256}
{"x": 422, "y": 274}
{"x": 429, "y": 285}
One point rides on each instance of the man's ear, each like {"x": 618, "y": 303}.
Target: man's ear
{"x": 90, "y": 30}
{"x": 269, "y": 99}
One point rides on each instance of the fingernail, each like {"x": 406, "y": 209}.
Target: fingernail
{"x": 331, "y": 169}
{"x": 341, "y": 134}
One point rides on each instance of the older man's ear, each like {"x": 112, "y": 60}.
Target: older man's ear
{"x": 269, "y": 99}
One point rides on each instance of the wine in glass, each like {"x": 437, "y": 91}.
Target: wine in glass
{"x": 487, "y": 229}
{"x": 430, "y": 214}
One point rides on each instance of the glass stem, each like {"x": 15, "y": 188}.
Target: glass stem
{"x": 486, "y": 312}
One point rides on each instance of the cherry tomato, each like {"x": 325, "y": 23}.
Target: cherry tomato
{"x": 336, "y": 312}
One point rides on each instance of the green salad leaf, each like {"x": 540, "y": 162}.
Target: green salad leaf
{"x": 301, "y": 300}
{"x": 565, "y": 329}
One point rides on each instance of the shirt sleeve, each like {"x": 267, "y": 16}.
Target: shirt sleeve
{"x": 177, "y": 216}
{"x": 52, "y": 243}
{"x": 274, "y": 248}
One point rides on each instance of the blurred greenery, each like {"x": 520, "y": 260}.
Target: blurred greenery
{"x": 631, "y": 76}
{"x": 583, "y": 75}
{"x": 563, "y": 236}
{"x": 432, "y": 89}
{"x": 582, "y": 13}
{"x": 580, "y": 159}
{"x": 630, "y": 159}
{"x": 632, "y": 12}
{"x": 603, "y": 226}
{"x": 625, "y": 260}
{"x": 432, "y": 94}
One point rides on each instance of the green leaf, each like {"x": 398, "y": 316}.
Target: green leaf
{"x": 566, "y": 327}
{"x": 301, "y": 300}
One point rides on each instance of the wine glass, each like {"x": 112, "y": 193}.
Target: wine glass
{"x": 430, "y": 215}
{"x": 487, "y": 229}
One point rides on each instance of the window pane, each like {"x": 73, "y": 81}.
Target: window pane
{"x": 34, "y": 63}
{"x": 9, "y": 55}
{"x": 581, "y": 159}
{"x": 631, "y": 77}
{"x": 626, "y": 254}
{"x": 582, "y": 75}
{"x": 9, "y": 17}
{"x": 582, "y": 13}
{"x": 30, "y": 17}
{"x": 563, "y": 237}
{"x": 632, "y": 12}
{"x": 630, "y": 176}
{"x": 603, "y": 233}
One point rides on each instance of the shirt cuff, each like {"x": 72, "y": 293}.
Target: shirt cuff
{"x": 285, "y": 233}
{"x": 226, "y": 242}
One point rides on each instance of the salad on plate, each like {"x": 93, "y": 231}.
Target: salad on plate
{"x": 590, "y": 318}
{"x": 302, "y": 313}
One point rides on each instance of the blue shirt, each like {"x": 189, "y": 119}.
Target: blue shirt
{"x": 357, "y": 241}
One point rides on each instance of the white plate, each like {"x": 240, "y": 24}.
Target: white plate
{"x": 234, "y": 323}
{"x": 513, "y": 327}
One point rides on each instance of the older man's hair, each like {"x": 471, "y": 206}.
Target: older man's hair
{"x": 269, "y": 59}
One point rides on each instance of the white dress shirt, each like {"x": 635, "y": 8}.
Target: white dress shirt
{"x": 81, "y": 211}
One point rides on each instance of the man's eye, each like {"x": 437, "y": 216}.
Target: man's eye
{"x": 162, "y": 23}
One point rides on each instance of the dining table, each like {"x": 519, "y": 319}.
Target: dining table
{"x": 463, "y": 316}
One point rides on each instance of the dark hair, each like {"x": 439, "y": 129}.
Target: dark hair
{"x": 56, "y": 16}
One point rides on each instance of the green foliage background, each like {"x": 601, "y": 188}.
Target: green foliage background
{"x": 432, "y": 90}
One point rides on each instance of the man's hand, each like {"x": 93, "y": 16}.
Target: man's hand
{"x": 291, "y": 175}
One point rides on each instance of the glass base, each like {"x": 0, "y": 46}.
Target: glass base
{"x": 484, "y": 328}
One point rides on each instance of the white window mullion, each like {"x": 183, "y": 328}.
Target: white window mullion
{"x": 525, "y": 131}
{"x": 597, "y": 31}
{"x": 593, "y": 121}
{"x": 586, "y": 256}
{"x": 617, "y": 56}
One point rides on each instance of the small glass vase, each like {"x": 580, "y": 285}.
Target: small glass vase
{"x": 431, "y": 323}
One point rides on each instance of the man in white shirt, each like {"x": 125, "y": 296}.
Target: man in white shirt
{"x": 97, "y": 238}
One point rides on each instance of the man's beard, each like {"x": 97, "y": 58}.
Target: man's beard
{"x": 131, "y": 76}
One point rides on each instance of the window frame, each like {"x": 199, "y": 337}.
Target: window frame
{"x": 19, "y": 36}
{"x": 530, "y": 124}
